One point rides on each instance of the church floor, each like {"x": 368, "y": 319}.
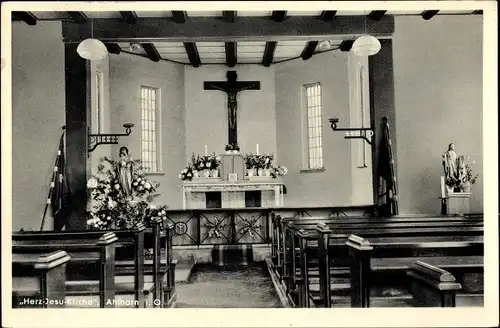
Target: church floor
{"x": 210, "y": 287}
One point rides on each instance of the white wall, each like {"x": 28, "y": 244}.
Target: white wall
{"x": 38, "y": 113}
{"x": 438, "y": 96}
{"x": 126, "y": 74}
{"x": 207, "y": 115}
{"x": 333, "y": 185}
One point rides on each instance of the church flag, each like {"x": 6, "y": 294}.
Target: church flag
{"x": 59, "y": 201}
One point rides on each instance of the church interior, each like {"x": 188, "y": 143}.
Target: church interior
{"x": 303, "y": 156}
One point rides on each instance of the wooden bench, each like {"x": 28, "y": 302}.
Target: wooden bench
{"x": 447, "y": 224}
{"x": 381, "y": 227}
{"x": 38, "y": 280}
{"x": 398, "y": 254}
{"x": 92, "y": 257}
{"x": 432, "y": 286}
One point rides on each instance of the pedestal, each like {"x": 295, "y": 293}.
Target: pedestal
{"x": 458, "y": 203}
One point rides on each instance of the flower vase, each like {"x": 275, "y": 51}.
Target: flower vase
{"x": 250, "y": 172}
{"x": 260, "y": 172}
{"x": 267, "y": 172}
{"x": 465, "y": 187}
{"x": 196, "y": 174}
{"x": 206, "y": 173}
{"x": 449, "y": 189}
{"x": 215, "y": 173}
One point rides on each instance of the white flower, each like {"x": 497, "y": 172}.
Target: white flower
{"x": 141, "y": 188}
{"x": 147, "y": 185}
{"x": 208, "y": 165}
{"x": 218, "y": 158}
{"x": 92, "y": 183}
{"x": 162, "y": 213}
{"x": 202, "y": 165}
{"x": 108, "y": 218}
{"x": 189, "y": 175}
{"x": 142, "y": 182}
{"x": 117, "y": 186}
{"x": 139, "y": 179}
{"x": 135, "y": 183}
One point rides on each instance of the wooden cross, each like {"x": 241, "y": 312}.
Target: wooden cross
{"x": 231, "y": 87}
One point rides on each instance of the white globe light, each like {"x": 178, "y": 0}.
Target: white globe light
{"x": 366, "y": 45}
{"x": 92, "y": 49}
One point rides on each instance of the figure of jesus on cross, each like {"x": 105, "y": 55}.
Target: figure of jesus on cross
{"x": 232, "y": 87}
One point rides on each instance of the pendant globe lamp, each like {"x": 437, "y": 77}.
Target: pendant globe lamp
{"x": 92, "y": 49}
{"x": 366, "y": 45}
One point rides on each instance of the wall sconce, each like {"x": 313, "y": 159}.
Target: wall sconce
{"x": 108, "y": 139}
{"x": 353, "y": 133}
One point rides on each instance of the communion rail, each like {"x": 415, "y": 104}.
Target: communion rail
{"x": 229, "y": 226}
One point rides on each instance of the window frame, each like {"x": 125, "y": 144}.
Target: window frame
{"x": 157, "y": 124}
{"x": 306, "y": 158}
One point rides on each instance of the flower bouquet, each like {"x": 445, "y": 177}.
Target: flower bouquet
{"x": 187, "y": 173}
{"x": 119, "y": 202}
{"x": 463, "y": 178}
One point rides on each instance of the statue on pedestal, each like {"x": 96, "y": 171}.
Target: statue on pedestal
{"x": 450, "y": 165}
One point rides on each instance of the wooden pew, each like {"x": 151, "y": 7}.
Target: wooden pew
{"x": 431, "y": 225}
{"x": 432, "y": 286}
{"x": 397, "y": 254}
{"x": 337, "y": 252}
{"x": 92, "y": 257}
{"x": 39, "y": 279}
{"x": 162, "y": 267}
{"x": 128, "y": 260}
{"x": 415, "y": 226}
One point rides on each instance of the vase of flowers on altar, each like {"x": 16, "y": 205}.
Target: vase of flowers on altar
{"x": 187, "y": 173}
{"x": 214, "y": 162}
{"x": 120, "y": 195}
{"x": 250, "y": 161}
{"x": 264, "y": 163}
{"x": 278, "y": 171}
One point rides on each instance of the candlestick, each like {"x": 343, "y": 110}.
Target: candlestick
{"x": 443, "y": 195}
{"x": 257, "y": 149}
{"x": 206, "y": 150}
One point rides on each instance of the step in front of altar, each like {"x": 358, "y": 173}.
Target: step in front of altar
{"x": 232, "y": 255}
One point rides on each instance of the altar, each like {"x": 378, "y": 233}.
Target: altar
{"x": 265, "y": 192}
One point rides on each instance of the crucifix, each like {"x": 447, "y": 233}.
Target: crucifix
{"x": 231, "y": 87}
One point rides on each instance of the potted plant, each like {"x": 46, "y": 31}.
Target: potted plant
{"x": 250, "y": 164}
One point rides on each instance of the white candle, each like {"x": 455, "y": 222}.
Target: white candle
{"x": 443, "y": 195}
{"x": 206, "y": 150}
{"x": 257, "y": 149}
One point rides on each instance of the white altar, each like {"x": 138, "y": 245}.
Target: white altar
{"x": 232, "y": 192}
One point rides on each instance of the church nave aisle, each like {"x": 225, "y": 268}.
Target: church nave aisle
{"x": 211, "y": 287}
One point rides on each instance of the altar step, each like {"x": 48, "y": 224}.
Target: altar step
{"x": 232, "y": 255}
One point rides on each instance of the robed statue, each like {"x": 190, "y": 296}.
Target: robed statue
{"x": 450, "y": 163}
{"x": 124, "y": 171}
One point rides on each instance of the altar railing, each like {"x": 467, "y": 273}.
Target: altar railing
{"x": 222, "y": 226}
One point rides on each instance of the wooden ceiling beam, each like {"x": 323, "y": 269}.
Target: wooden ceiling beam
{"x": 309, "y": 50}
{"x": 113, "y": 48}
{"x": 328, "y": 15}
{"x": 428, "y": 14}
{"x": 279, "y": 15}
{"x": 192, "y": 52}
{"x": 129, "y": 16}
{"x": 214, "y": 29}
{"x": 179, "y": 16}
{"x": 377, "y": 15}
{"x": 231, "y": 54}
{"x": 151, "y": 51}
{"x": 24, "y": 16}
{"x": 268, "y": 57}
{"x": 346, "y": 45}
{"x": 229, "y": 15}
{"x": 78, "y": 17}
